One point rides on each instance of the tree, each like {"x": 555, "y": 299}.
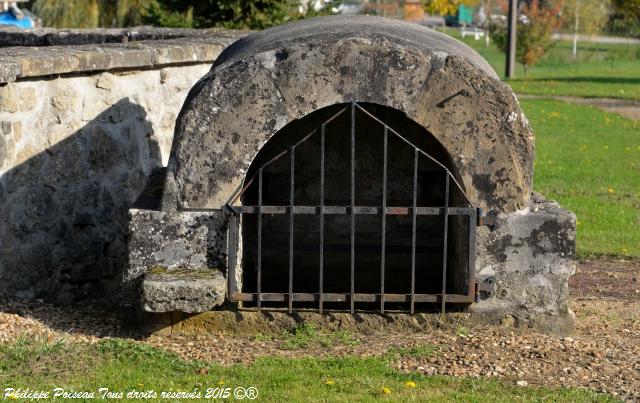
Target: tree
{"x": 89, "y": 13}
{"x": 585, "y": 17}
{"x": 67, "y": 13}
{"x": 242, "y": 14}
{"x": 487, "y": 5}
{"x": 239, "y": 14}
{"x": 122, "y": 13}
{"x": 625, "y": 19}
{"x": 534, "y": 38}
{"x": 446, "y": 7}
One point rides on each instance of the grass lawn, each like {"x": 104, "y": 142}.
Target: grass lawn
{"x": 586, "y": 159}
{"x": 602, "y": 70}
{"x": 589, "y": 161}
{"x": 124, "y": 366}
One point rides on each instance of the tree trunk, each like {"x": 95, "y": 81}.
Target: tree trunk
{"x": 575, "y": 32}
{"x": 487, "y": 8}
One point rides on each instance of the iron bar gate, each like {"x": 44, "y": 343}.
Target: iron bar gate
{"x": 352, "y": 210}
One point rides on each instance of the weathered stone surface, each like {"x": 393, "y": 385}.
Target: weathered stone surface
{"x": 21, "y": 62}
{"x": 172, "y": 241}
{"x": 28, "y": 99}
{"x": 191, "y": 291}
{"x": 105, "y": 81}
{"x": 529, "y": 256}
{"x": 12, "y": 36}
{"x": 6, "y": 127}
{"x": 9, "y": 71}
{"x": 271, "y": 78}
{"x": 8, "y": 99}
{"x": 73, "y": 159}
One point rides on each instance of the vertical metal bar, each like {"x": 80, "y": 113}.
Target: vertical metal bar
{"x": 512, "y": 23}
{"x": 471, "y": 280}
{"x": 353, "y": 203}
{"x": 259, "y": 263}
{"x": 321, "y": 279}
{"x": 446, "y": 236}
{"x": 414, "y": 216}
{"x": 383, "y": 250}
{"x": 292, "y": 154}
{"x": 232, "y": 247}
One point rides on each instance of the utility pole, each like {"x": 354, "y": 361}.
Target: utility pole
{"x": 511, "y": 39}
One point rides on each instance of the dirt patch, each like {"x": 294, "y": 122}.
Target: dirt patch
{"x": 627, "y": 108}
{"x": 603, "y": 355}
{"x": 607, "y": 278}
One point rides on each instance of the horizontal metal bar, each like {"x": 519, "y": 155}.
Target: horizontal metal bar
{"x": 345, "y": 297}
{"x": 392, "y": 249}
{"x": 361, "y": 210}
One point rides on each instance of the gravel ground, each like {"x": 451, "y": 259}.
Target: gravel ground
{"x": 603, "y": 355}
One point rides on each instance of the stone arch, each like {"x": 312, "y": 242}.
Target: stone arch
{"x": 277, "y": 76}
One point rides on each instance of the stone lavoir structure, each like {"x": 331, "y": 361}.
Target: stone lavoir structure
{"x": 349, "y": 164}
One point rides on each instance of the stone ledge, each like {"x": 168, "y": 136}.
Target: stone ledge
{"x": 190, "y": 291}
{"x": 23, "y": 62}
{"x": 12, "y": 36}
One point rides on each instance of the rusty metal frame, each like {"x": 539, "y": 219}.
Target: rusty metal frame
{"x": 236, "y": 211}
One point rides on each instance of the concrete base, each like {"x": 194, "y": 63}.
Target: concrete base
{"x": 529, "y": 256}
{"x": 276, "y": 322}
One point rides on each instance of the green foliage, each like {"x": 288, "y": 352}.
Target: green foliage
{"x": 122, "y": 13}
{"x": 89, "y": 13}
{"x": 307, "y": 335}
{"x": 533, "y": 38}
{"x": 68, "y": 13}
{"x": 446, "y": 7}
{"x": 626, "y": 18}
{"x": 160, "y": 15}
{"x": 238, "y": 14}
{"x": 585, "y": 16}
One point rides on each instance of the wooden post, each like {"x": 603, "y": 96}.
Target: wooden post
{"x": 511, "y": 39}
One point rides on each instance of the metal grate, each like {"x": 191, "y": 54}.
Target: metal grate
{"x": 352, "y": 210}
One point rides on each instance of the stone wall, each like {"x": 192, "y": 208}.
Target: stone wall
{"x": 76, "y": 150}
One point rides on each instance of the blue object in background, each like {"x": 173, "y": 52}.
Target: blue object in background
{"x": 462, "y": 18}
{"x": 465, "y": 15}
{"x": 6, "y": 18}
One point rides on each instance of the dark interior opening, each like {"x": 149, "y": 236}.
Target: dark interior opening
{"x": 369, "y": 141}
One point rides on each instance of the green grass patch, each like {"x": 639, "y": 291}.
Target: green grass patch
{"x": 601, "y": 70}
{"x": 306, "y": 335}
{"x": 589, "y": 161}
{"x": 124, "y": 366}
